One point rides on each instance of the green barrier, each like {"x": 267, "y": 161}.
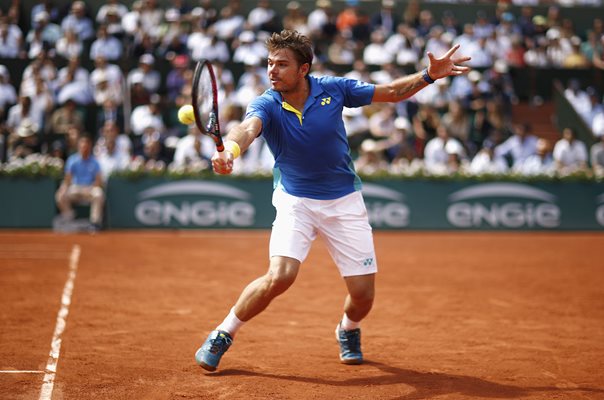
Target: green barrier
{"x": 391, "y": 204}
{"x": 27, "y": 203}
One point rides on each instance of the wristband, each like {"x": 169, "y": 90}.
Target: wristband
{"x": 232, "y": 147}
{"x": 427, "y": 77}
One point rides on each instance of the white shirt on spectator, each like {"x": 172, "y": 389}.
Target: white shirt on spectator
{"x": 484, "y": 163}
{"x": 570, "y": 155}
{"x": 11, "y": 41}
{"x": 536, "y": 165}
{"x": 518, "y": 148}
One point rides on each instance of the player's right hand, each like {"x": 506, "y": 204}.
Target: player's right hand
{"x": 221, "y": 165}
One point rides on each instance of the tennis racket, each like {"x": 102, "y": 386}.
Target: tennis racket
{"x": 205, "y": 103}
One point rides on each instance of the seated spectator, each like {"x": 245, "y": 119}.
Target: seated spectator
{"x": 517, "y": 147}
{"x": 24, "y": 141}
{"x": 177, "y": 78}
{"x": 597, "y": 157}
{"x": 570, "y": 154}
{"x": 371, "y": 158}
{"x": 106, "y": 46}
{"x": 193, "y": 149}
{"x": 375, "y": 52}
{"x": 457, "y": 122}
{"x": 540, "y": 163}
{"x": 148, "y": 115}
{"x": 8, "y": 94}
{"x": 385, "y": 19}
{"x": 11, "y": 40}
{"x": 439, "y": 151}
{"x": 151, "y": 79}
{"x": 205, "y": 44}
{"x": 111, "y": 7}
{"x": 261, "y": 15}
{"x": 64, "y": 117}
{"x": 78, "y": 22}
{"x": 341, "y": 51}
{"x": 400, "y": 45}
{"x": 110, "y": 112}
{"x": 485, "y": 162}
{"x": 50, "y": 31}
{"x": 69, "y": 45}
{"x": 295, "y": 18}
{"x": 83, "y": 181}
{"x": 230, "y": 23}
{"x": 247, "y": 50}
{"x": 111, "y": 159}
{"x": 121, "y": 143}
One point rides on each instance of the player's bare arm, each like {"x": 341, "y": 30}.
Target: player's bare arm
{"x": 243, "y": 134}
{"x": 407, "y": 86}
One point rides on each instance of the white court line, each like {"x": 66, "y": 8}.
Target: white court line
{"x": 12, "y": 371}
{"x": 55, "y": 345}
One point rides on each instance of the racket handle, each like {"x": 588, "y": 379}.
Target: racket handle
{"x": 222, "y": 155}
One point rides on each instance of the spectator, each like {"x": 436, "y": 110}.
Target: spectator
{"x": 8, "y": 94}
{"x": 321, "y": 21}
{"x": 111, "y": 7}
{"x": 371, "y": 159}
{"x": 11, "y": 39}
{"x": 485, "y": 162}
{"x": 151, "y": 78}
{"x": 570, "y": 154}
{"x": 204, "y": 44}
{"x": 341, "y": 51}
{"x": 261, "y": 16}
{"x": 230, "y": 22}
{"x": 111, "y": 72}
{"x": 148, "y": 115}
{"x": 24, "y": 141}
{"x": 106, "y": 46}
{"x": 438, "y": 151}
{"x": 150, "y": 18}
{"x": 385, "y": 20}
{"x": 111, "y": 159}
{"x": 78, "y": 22}
{"x": 69, "y": 46}
{"x": 50, "y": 31}
{"x": 247, "y": 50}
{"x": 375, "y": 52}
{"x": 597, "y": 157}
{"x": 178, "y": 77}
{"x": 295, "y": 18}
{"x": 457, "y": 122}
{"x": 540, "y": 163}
{"x": 352, "y": 23}
{"x": 64, "y": 117}
{"x": 400, "y": 45}
{"x": 83, "y": 181}
{"x": 576, "y": 58}
{"x": 110, "y": 112}
{"x": 517, "y": 147}
{"x": 193, "y": 149}
{"x": 110, "y": 131}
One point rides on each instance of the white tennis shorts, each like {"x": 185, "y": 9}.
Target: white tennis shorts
{"x": 343, "y": 223}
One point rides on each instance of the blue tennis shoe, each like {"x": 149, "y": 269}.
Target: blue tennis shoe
{"x": 209, "y": 354}
{"x": 350, "y": 345}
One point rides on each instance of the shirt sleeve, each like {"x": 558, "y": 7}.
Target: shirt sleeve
{"x": 356, "y": 93}
{"x": 260, "y": 107}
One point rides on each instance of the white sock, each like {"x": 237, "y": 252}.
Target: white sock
{"x": 348, "y": 324}
{"x": 231, "y": 323}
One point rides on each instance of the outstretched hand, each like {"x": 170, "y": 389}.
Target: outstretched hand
{"x": 221, "y": 165}
{"x": 447, "y": 65}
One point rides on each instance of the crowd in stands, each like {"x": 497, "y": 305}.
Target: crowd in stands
{"x": 455, "y": 125}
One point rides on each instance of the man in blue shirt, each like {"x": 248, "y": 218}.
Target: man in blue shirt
{"x": 317, "y": 190}
{"x": 82, "y": 183}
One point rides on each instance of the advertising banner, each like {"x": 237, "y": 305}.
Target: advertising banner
{"x": 391, "y": 204}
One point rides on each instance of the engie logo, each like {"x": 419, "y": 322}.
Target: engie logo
{"x": 179, "y": 203}
{"x": 385, "y": 206}
{"x": 600, "y": 209}
{"x": 506, "y": 205}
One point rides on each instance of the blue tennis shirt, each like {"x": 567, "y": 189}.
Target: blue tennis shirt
{"x": 83, "y": 172}
{"x": 312, "y": 156}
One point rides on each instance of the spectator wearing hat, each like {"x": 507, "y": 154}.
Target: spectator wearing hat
{"x": 25, "y": 140}
{"x": 106, "y": 46}
{"x": 151, "y": 77}
{"x": 104, "y": 89}
{"x": 111, "y": 7}
{"x": 50, "y": 32}
{"x": 79, "y": 22}
{"x": 83, "y": 182}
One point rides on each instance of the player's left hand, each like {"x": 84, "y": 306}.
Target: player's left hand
{"x": 221, "y": 165}
{"x": 447, "y": 65}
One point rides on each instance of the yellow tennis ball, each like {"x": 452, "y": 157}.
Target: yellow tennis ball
{"x": 185, "y": 114}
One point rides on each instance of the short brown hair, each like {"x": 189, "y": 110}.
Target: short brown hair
{"x": 296, "y": 42}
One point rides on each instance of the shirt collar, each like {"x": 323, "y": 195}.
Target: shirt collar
{"x": 315, "y": 89}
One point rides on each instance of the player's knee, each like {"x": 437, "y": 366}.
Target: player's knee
{"x": 280, "y": 280}
{"x": 364, "y": 297}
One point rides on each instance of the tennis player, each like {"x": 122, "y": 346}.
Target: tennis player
{"x": 316, "y": 189}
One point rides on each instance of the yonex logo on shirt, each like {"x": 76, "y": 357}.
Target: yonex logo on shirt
{"x": 325, "y": 100}
{"x": 368, "y": 262}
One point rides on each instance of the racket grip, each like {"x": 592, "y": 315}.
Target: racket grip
{"x": 222, "y": 155}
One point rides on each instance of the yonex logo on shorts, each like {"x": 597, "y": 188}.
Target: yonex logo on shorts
{"x": 325, "y": 100}
{"x": 368, "y": 262}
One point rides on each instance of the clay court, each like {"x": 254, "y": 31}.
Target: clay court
{"x": 457, "y": 316}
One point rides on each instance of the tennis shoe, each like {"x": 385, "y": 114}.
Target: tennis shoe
{"x": 350, "y": 345}
{"x": 209, "y": 354}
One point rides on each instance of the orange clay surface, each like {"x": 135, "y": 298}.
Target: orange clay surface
{"x": 457, "y": 316}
